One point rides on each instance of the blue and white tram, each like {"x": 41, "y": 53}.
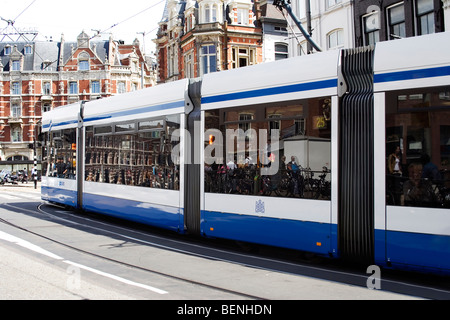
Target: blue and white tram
{"x": 328, "y": 153}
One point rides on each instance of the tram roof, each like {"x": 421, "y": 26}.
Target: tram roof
{"x": 155, "y": 101}
{"x": 63, "y": 117}
{"x": 414, "y": 62}
{"x": 288, "y": 79}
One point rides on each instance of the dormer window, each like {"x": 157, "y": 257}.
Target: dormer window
{"x": 7, "y": 50}
{"x": 210, "y": 12}
{"x": 28, "y": 50}
{"x": 15, "y": 65}
{"x": 242, "y": 16}
{"x": 83, "y": 65}
{"x": 83, "y": 62}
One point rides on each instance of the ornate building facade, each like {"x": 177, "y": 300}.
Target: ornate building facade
{"x": 39, "y": 76}
{"x": 196, "y": 37}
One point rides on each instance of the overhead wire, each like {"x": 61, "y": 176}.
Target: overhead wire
{"x": 98, "y": 32}
{"x": 11, "y": 22}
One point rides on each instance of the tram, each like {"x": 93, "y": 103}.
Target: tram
{"x": 344, "y": 154}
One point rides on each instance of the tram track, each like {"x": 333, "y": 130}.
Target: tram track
{"x": 193, "y": 248}
{"x": 120, "y": 262}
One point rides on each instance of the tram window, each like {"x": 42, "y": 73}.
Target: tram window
{"x": 133, "y": 157}
{"x": 102, "y": 130}
{"x": 152, "y": 125}
{"x": 59, "y": 154}
{"x": 417, "y": 148}
{"x": 125, "y": 127}
{"x": 301, "y": 166}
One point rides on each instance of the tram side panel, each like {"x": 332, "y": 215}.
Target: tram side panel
{"x": 413, "y": 225}
{"x": 264, "y": 193}
{"x": 129, "y": 169}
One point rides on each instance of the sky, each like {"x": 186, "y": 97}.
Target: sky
{"x": 126, "y": 20}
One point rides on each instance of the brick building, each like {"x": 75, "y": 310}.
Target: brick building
{"x": 392, "y": 19}
{"x": 196, "y": 37}
{"x": 39, "y": 76}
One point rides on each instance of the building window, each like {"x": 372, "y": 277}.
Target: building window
{"x": 95, "y": 87}
{"x": 335, "y": 39}
{"x": 331, "y": 3}
{"x": 425, "y": 16}
{"x": 243, "y": 57}
{"x": 15, "y": 65}
{"x": 28, "y": 50}
{"x": 16, "y": 88}
{"x": 16, "y": 134}
{"x": 46, "y": 88}
{"x": 73, "y": 87}
{"x": 172, "y": 60}
{"x": 396, "y": 20}
{"x": 188, "y": 66}
{"x": 244, "y": 121}
{"x": 7, "y": 50}
{"x": 16, "y": 111}
{"x": 371, "y": 27}
{"x": 300, "y": 9}
{"x": 83, "y": 65}
{"x": 121, "y": 88}
{"x": 242, "y": 16}
{"x": 210, "y": 13}
{"x": 281, "y": 51}
{"x": 46, "y": 107}
{"x": 208, "y": 61}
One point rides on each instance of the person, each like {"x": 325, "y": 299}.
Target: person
{"x": 417, "y": 191}
{"x": 61, "y": 168}
{"x": 292, "y": 165}
{"x": 282, "y": 164}
{"x": 395, "y": 162}
{"x": 296, "y": 177}
{"x": 430, "y": 170}
{"x": 231, "y": 165}
{"x": 34, "y": 177}
{"x": 394, "y": 175}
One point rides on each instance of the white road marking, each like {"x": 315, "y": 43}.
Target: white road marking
{"x": 35, "y": 248}
{"x": 111, "y": 276}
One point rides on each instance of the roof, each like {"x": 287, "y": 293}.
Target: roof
{"x": 44, "y": 51}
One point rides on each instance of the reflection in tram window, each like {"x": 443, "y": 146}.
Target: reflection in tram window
{"x": 136, "y": 153}
{"x": 59, "y": 156}
{"x": 418, "y": 127}
{"x": 303, "y": 160}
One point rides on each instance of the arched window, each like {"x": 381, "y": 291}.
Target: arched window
{"x": 281, "y": 51}
{"x": 83, "y": 62}
{"x": 17, "y": 158}
{"x": 210, "y": 13}
{"x": 335, "y": 39}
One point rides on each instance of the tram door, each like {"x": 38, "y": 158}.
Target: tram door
{"x": 356, "y": 157}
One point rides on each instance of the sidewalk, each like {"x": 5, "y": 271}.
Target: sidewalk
{"x": 21, "y": 187}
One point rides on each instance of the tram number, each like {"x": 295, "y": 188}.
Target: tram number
{"x": 319, "y": 122}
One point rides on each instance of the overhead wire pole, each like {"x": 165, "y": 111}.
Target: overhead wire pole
{"x": 285, "y": 4}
